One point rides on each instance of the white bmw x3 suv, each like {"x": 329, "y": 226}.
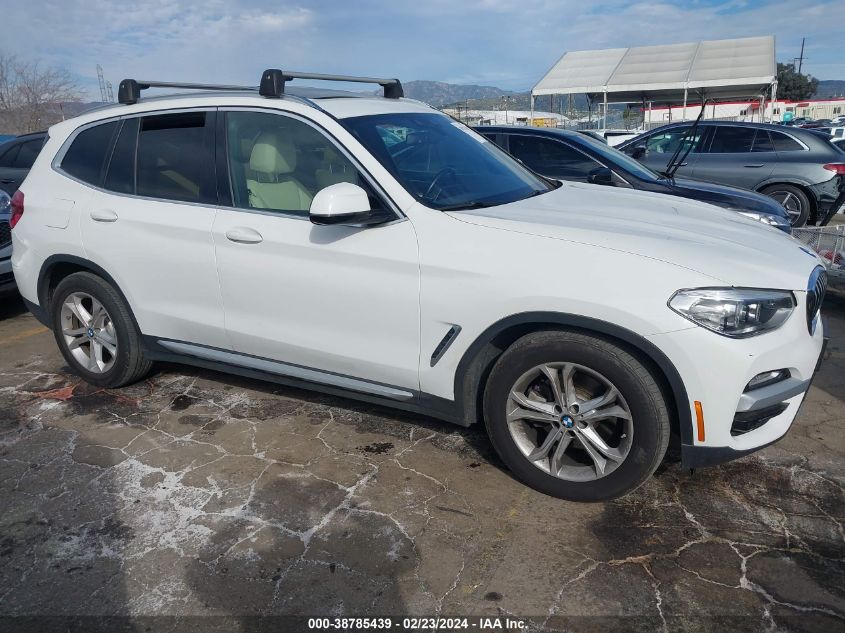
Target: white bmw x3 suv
{"x": 375, "y": 248}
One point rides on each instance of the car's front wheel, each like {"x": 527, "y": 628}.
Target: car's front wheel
{"x": 576, "y": 416}
{"x": 96, "y": 333}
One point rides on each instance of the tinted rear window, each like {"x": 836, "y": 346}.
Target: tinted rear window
{"x": 121, "y": 174}
{"x": 176, "y": 159}
{"x": 27, "y": 154}
{"x": 762, "y": 142}
{"x": 86, "y": 157}
{"x": 785, "y": 143}
{"x": 732, "y": 140}
{"x": 551, "y": 158}
{"x": 7, "y": 157}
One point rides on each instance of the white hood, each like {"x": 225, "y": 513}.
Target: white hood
{"x": 724, "y": 245}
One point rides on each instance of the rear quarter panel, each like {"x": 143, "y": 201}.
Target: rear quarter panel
{"x": 50, "y": 223}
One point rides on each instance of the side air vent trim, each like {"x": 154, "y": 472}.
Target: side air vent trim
{"x": 444, "y": 344}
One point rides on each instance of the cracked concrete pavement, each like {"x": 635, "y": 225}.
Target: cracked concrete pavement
{"x": 196, "y": 493}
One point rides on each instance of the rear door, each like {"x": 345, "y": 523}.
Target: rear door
{"x": 149, "y": 225}
{"x": 736, "y": 155}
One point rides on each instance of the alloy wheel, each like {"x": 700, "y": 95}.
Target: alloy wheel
{"x": 569, "y": 421}
{"x": 88, "y": 332}
{"x": 790, "y": 202}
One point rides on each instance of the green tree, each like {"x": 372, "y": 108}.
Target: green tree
{"x": 794, "y": 85}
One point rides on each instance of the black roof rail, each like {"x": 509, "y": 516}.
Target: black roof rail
{"x": 273, "y": 82}
{"x": 272, "y": 85}
{"x": 129, "y": 91}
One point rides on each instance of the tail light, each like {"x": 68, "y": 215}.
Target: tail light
{"x": 17, "y": 208}
{"x": 839, "y": 168}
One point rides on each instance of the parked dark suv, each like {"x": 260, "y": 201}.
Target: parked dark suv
{"x": 16, "y": 157}
{"x": 565, "y": 155}
{"x": 799, "y": 168}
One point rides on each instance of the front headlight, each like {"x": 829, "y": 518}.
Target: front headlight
{"x": 734, "y": 312}
{"x": 767, "y": 218}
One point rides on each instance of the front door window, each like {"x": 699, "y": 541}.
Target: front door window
{"x": 278, "y": 163}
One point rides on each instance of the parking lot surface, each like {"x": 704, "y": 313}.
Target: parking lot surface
{"x": 196, "y": 493}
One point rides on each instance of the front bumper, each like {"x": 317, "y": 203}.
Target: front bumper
{"x": 776, "y": 400}
{"x": 715, "y": 371}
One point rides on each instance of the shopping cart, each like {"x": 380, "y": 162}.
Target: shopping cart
{"x": 829, "y": 243}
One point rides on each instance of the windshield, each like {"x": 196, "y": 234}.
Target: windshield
{"x": 442, "y": 163}
{"x": 615, "y": 157}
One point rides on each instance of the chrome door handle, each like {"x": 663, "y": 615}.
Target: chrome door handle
{"x": 244, "y": 235}
{"x": 104, "y": 215}
{"x": 755, "y": 165}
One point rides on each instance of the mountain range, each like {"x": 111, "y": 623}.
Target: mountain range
{"x": 440, "y": 94}
{"x": 830, "y": 88}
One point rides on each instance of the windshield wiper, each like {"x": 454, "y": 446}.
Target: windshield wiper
{"x": 466, "y": 206}
{"x": 676, "y": 160}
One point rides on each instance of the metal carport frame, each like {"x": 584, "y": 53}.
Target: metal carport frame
{"x": 667, "y": 73}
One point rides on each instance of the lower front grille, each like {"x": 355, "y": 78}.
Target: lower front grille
{"x": 5, "y": 234}
{"x": 749, "y": 420}
{"x": 816, "y": 289}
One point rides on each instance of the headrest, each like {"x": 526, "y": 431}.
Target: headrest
{"x": 272, "y": 154}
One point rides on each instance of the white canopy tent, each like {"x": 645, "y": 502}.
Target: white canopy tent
{"x": 668, "y": 73}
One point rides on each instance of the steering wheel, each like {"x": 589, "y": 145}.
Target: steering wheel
{"x": 446, "y": 171}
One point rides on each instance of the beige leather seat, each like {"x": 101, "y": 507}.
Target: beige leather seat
{"x": 270, "y": 182}
{"x": 332, "y": 175}
{"x": 335, "y": 169}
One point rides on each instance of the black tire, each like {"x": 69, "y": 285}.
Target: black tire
{"x": 803, "y": 206}
{"x": 638, "y": 387}
{"x": 129, "y": 364}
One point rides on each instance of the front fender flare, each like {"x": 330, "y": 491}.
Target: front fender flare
{"x": 468, "y": 376}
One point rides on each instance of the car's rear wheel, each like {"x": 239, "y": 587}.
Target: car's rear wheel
{"x": 96, "y": 333}
{"x": 576, "y": 416}
{"x": 794, "y": 200}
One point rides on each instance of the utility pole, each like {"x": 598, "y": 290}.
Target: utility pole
{"x": 801, "y": 57}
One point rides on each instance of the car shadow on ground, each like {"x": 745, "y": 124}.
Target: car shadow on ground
{"x": 475, "y": 436}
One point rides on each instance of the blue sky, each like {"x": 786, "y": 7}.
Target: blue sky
{"x": 505, "y": 43}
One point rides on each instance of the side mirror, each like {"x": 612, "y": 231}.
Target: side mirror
{"x": 601, "y": 176}
{"x": 639, "y": 152}
{"x": 344, "y": 203}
